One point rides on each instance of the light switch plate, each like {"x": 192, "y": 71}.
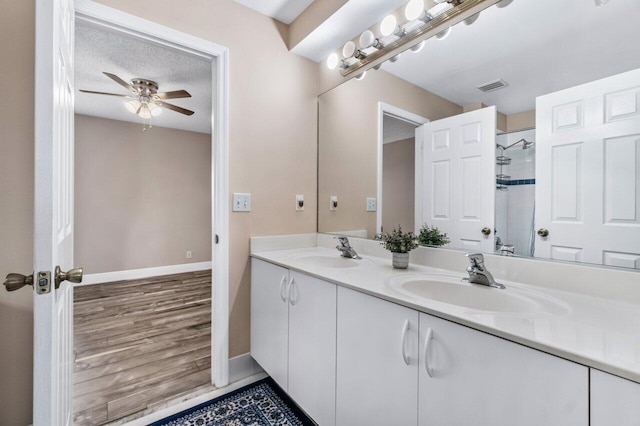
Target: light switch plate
{"x": 372, "y": 204}
{"x": 333, "y": 203}
{"x": 299, "y": 202}
{"x": 241, "y": 202}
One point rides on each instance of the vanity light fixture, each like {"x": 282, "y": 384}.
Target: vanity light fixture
{"x": 421, "y": 23}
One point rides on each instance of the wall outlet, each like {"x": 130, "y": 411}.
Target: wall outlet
{"x": 299, "y": 202}
{"x": 372, "y": 204}
{"x": 333, "y": 202}
{"x": 241, "y": 202}
{"x": 189, "y": 254}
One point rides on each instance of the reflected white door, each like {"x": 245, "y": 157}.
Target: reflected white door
{"x": 455, "y": 190}
{"x": 53, "y": 237}
{"x": 588, "y": 172}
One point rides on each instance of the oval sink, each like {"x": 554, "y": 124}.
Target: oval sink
{"x": 322, "y": 261}
{"x": 452, "y": 291}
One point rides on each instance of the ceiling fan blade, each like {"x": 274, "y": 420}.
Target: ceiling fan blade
{"x": 121, "y": 82}
{"x": 174, "y": 95}
{"x": 175, "y": 108}
{"x": 105, "y": 93}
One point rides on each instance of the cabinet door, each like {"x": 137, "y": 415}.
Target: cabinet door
{"x": 377, "y": 362}
{"x": 476, "y": 378}
{"x": 269, "y": 319}
{"x": 312, "y": 346}
{"x": 614, "y": 401}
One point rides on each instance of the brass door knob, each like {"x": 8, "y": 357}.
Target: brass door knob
{"x": 15, "y": 282}
{"x": 72, "y": 275}
{"x": 543, "y": 232}
{"x": 486, "y": 231}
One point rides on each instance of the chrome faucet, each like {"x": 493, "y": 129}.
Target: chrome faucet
{"x": 478, "y": 274}
{"x": 345, "y": 248}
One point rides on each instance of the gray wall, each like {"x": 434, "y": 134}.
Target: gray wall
{"x": 142, "y": 198}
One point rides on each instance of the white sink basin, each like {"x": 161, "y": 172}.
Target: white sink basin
{"x": 452, "y": 291}
{"x": 336, "y": 261}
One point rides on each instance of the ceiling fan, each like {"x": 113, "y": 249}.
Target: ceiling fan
{"x": 146, "y": 102}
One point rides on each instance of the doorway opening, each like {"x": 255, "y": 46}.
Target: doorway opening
{"x": 397, "y": 153}
{"x": 151, "y": 213}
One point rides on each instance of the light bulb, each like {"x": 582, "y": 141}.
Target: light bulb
{"x": 414, "y": 9}
{"x": 132, "y": 106}
{"x": 144, "y": 112}
{"x": 361, "y": 76}
{"x": 388, "y": 25}
{"x": 418, "y": 47}
{"x": 504, "y": 3}
{"x": 349, "y": 49}
{"x": 471, "y": 19}
{"x": 154, "y": 109}
{"x": 443, "y": 34}
{"x": 367, "y": 38}
{"x": 394, "y": 58}
{"x": 332, "y": 61}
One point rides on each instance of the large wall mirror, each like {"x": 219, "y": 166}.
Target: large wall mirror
{"x": 517, "y": 134}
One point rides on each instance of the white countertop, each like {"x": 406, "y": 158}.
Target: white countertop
{"x": 602, "y": 333}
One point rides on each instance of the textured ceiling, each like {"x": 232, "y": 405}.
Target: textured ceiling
{"x": 394, "y": 129}
{"x": 285, "y": 11}
{"x": 99, "y": 50}
{"x": 537, "y": 46}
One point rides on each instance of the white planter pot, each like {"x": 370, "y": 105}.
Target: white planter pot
{"x": 400, "y": 260}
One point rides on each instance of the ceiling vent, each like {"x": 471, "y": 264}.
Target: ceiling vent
{"x": 493, "y": 86}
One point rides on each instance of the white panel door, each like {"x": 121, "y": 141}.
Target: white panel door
{"x": 312, "y": 346}
{"x": 456, "y": 189}
{"x": 53, "y": 237}
{"x": 270, "y": 319}
{"x": 588, "y": 172}
{"x": 377, "y": 362}
{"x": 474, "y": 378}
{"x": 614, "y": 401}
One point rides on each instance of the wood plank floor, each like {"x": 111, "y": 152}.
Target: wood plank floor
{"x": 139, "y": 344}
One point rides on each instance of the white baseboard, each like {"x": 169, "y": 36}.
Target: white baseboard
{"x": 135, "y": 274}
{"x": 242, "y": 366}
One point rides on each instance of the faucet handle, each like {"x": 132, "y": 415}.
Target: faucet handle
{"x": 344, "y": 241}
{"x": 476, "y": 259}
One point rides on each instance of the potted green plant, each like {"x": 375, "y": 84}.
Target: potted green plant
{"x": 431, "y": 236}
{"x": 399, "y": 243}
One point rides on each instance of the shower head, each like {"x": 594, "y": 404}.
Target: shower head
{"x": 527, "y": 144}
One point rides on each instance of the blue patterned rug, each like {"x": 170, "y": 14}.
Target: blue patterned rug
{"x": 261, "y": 403}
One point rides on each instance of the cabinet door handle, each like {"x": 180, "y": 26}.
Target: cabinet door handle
{"x": 291, "y": 289}
{"x": 425, "y": 352}
{"x": 288, "y": 291}
{"x": 405, "y": 329}
{"x": 282, "y": 281}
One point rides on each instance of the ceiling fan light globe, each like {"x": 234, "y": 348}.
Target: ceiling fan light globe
{"x": 145, "y": 112}
{"x": 132, "y": 106}
{"x": 155, "y": 110}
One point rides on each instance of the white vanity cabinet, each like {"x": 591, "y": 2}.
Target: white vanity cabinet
{"x": 270, "y": 319}
{"x": 377, "y": 362}
{"x": 614, "y": 401}
{"x": 469, "y": 375}
{"x": 293, "y": 335}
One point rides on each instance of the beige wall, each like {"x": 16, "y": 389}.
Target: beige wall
{"x": 398, "y": 184}
{"x": 348, "y": 126}
{"x": 272, "y": 155}
{"x": 142, "y": 198}
{"x": 521, "y": 121}
{"x": 16, "y": 208}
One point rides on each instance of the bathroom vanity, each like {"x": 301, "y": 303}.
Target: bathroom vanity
{"x": 357, "y": 342}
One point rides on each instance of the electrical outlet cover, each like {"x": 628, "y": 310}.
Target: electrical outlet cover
{"x": 372, "y": 204}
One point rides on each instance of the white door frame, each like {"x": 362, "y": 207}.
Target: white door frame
{"x": 400, "y": 114}
{"x": 97, "y": 14}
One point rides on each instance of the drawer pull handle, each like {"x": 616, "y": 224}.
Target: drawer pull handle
{"x": 282, "y": 296}
{"x": 405, "y": 329}
{"x": 291, "y": 289}
{"x": 425, "y": 352}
